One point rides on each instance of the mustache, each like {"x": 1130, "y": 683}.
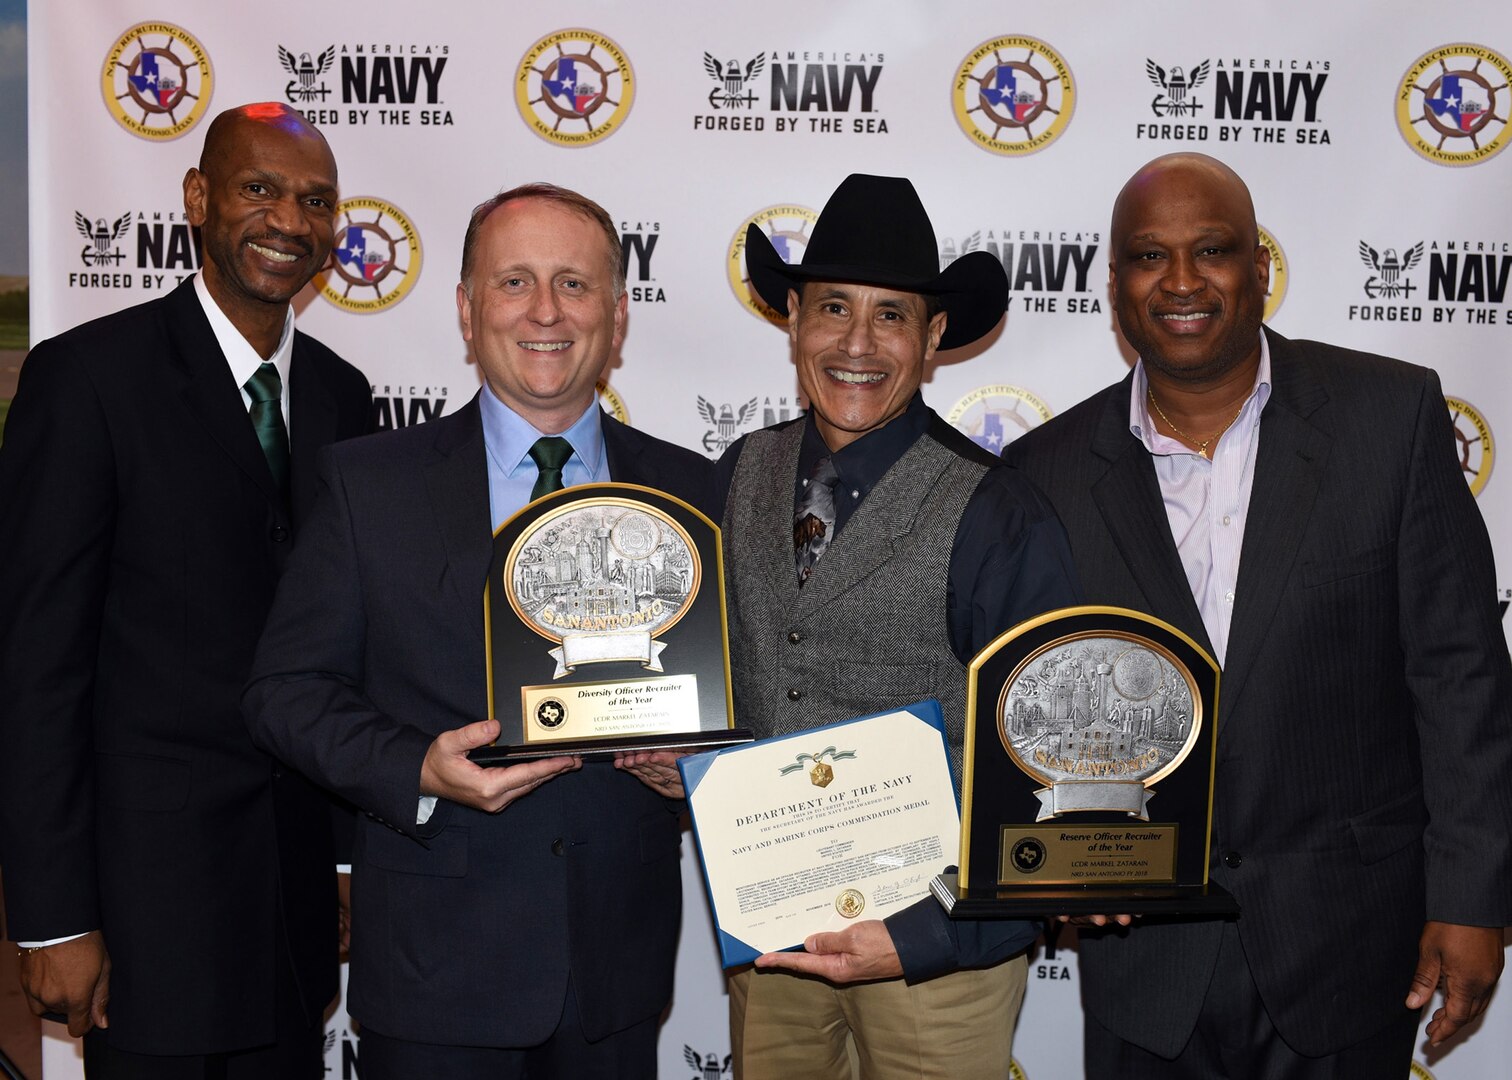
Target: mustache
{"x": 273, "y": 236}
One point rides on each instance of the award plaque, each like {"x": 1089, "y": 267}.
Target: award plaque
{"x": 811, "y": 831}
{"x": 605, "y": 618}
{"x": 1088, "y": 787}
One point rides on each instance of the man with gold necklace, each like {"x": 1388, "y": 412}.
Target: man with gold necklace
{"x": 1297, "y": 509}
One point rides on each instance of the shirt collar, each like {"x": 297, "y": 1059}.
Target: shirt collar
{"x": 509, "y": 436}
{"x": 1142, "y": 425}
{"x": 240, "y": 356}
{"x": 864, "y": 462}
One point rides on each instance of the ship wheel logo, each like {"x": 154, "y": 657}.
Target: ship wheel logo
{"x": 574, "y": 87}
{"x": 1013, "y": 95}
{"x": 156, "y": 80}
{"x": 375, "y": 259}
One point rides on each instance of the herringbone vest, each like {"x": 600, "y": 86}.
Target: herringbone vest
{"x": 869, "y": 630}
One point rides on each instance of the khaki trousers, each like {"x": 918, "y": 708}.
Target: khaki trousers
{"x": 786, "y": 1027}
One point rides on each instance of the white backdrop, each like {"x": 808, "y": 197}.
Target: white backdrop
{"x": 1370, "y": 134}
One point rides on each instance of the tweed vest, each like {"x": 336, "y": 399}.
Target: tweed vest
{"x": 869, "y": 630}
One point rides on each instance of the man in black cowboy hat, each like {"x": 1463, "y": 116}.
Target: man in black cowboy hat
{"x": 909, "y": 549}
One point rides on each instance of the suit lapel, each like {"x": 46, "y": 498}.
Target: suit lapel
{"x": 312, "y": 423}
{"x": 1288, "y": 472}
{"x": 623, "y": 450}
{"x": 883, "y": 522}
{"x": 209, "y": 391}
{"x": 456, "y": 480}
{"x": 1128, "y": 497}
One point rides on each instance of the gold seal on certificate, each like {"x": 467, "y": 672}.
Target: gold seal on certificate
{"x": 606, "y": 627}
{"x": 1090, "y": 743}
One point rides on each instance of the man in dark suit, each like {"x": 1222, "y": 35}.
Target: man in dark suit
{"x": 156, "y": 862}
{"x": 485, "y": 943}
{"x": 1298, "y": 510}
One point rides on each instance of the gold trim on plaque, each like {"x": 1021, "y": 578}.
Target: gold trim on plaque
{"x": 1001, "y": 641}
{"x": 719, "y": 581}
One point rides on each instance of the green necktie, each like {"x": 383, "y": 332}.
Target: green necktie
{"x": 265, "y": 389}
{"x": 550, "y": 453}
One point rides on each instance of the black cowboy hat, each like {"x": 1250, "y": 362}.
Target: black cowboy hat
{"x": 874, "y": 231}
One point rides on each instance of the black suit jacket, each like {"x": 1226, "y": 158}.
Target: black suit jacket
{"x": 140, "y": 539}
{"x": 1364, "y": 776}
{"x": 465, "y": 930}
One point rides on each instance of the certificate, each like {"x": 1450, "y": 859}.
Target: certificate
{"x": 813, "y": 831}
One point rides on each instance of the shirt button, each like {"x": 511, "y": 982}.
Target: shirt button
{"x": 1229, "y": 596}
{"x": 557, "y": 847}
{"x": 279, "y": 534}
{"x": 1232, "y": 860}
{"x": 794, "y": 637}
{"x": 794, "y": 694}
{"x": 1225, "y": 519}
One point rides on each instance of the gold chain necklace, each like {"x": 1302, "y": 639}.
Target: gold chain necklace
{"x": 1202, "y": 444}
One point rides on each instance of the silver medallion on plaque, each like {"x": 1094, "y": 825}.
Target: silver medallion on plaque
{"x": 1099, "y": 719}
{"x": 603, "y": 578}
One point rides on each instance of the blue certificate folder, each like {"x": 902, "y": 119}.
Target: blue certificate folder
{"x": 694, "y": 768}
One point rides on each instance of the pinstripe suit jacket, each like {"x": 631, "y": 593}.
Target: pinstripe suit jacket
{"x": 1364, "y": 776}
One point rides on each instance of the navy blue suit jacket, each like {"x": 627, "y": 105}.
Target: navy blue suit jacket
{"x": 465, "y": 930}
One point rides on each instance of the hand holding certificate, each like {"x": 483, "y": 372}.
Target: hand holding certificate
{"x": 815, "y": 832}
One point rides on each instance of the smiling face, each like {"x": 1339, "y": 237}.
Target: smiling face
{"x": 264, "y": 198}
{"x": 542, "y": 317}
{"x": 1187, "y": 269}
{"x": 861, "y": 351}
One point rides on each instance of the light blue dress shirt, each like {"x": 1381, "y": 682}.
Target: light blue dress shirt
{"x": 512, "y": 472}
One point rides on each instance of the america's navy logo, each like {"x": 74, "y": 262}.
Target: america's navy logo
{"x": 303, "y": 86}
{"x": 732, "y": 79}
{"x": 1176, "y": 101}
{"x": 1389, "y": 267}
{"x": 101, "y": 236}
{"x": 375, "y": 259}
{"x": 706, "y": 1068}
{"x": 574, "y": 87}
{"x": 1452, "y": 104}
{"x": 724, "y": 424}
{"x": 1013, "y": 95}
{"x": 157, "y": 80}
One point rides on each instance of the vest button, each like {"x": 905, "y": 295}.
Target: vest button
{"x": 279, "y": 534}
{"x": 557, "y": 847}
{"x": 794, "y": 694}
{"x": 1232, "y": 860}
{"x": 794, "y": 637}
